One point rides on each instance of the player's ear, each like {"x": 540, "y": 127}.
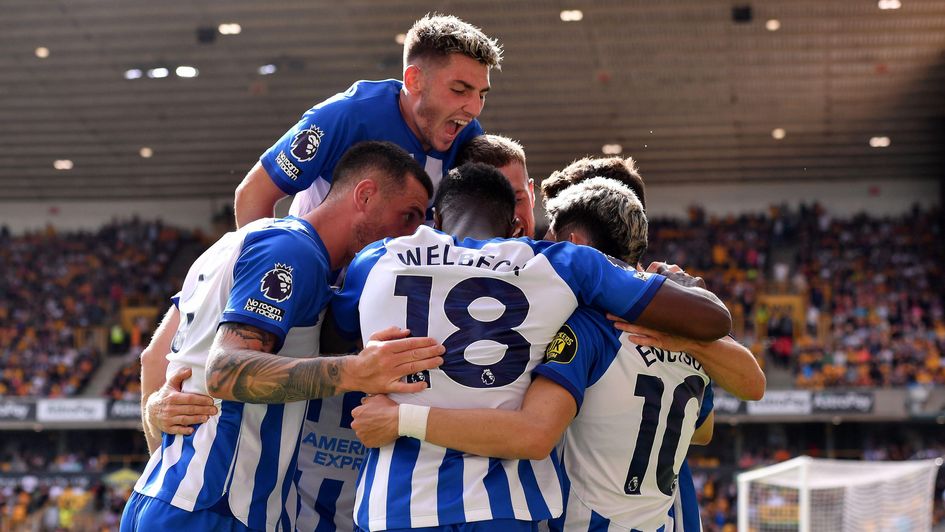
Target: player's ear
{"x": 516, "y": 229}
{"x": 577, "y": 237}
{"x": 364, "y": 192}
{"x": 437, "y": 220}
{"x": 413, "y": 79}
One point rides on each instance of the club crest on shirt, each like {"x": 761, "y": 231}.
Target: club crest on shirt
{"x": 563, "y": 346}
{"x": 306, "y": 142}
{"x": 276, "y": 284}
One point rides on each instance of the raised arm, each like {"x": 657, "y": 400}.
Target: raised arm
{"x": 256, "y": 196}
{"x": 649, "y": 299}
{"x": 730, "y": 364}
{"x": 242, "y": 367}
{"x": 528, "y": 433}
{"x": 690, "y": 312}
{"x": 703, "y": 433}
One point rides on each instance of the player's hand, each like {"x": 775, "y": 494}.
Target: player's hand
{"x": 651, "y": 338}
{"x": 389, "y": 356}
{"x": 676, "y": 274}
{"x": 172, "y": 411}
{"x": 376, "y": 421}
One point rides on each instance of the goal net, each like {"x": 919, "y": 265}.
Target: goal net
{"x": 815, "y": 495}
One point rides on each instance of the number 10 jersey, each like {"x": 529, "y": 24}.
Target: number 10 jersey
{"x": 494, "y": 305}
{"x": 637, "y": 411}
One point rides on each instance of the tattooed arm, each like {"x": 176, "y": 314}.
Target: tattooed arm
{"x": 242, "y": 367}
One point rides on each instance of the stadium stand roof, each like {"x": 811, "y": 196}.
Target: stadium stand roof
{"x": 681, "y": 86}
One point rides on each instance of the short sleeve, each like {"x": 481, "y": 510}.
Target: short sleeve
{"x": 311, "y": 148}
{"x": 708, "y": 404}
{"x": 576, "y": 355}
{"x": 344, "y": 305}
{"x": 603, "y": 282}
{"x": 274, "y": 283}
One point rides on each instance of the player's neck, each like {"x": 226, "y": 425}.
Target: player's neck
{"x": 334, "y": 231}
{"x": 473, "y": 227}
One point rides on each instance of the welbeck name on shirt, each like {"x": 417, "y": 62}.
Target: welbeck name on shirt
{"x": 447, "y": 255}
{"x": 264, "y": 309}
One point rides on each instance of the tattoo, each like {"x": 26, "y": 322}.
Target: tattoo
{"x": 242, "y": 366}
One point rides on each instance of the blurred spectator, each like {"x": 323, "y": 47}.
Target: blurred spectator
{"x": 56, "y": 289}
{"x": 873, "y": 289}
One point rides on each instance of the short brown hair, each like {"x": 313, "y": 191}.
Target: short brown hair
{"x": 618, "y": 168}
{"x": 494, "y": 150}
{"x": 437, "y": 36}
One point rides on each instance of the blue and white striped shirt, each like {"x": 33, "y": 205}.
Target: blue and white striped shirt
{"x": 637, "y": 411}
{"x": 329, "y": 460}
{"x": 272, "y": 274}
{"x": 494, "y": 305}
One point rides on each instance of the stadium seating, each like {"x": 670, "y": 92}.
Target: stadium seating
{"x": 62, "y": 292}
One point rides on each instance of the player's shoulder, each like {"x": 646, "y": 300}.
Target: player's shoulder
{"x": 588, "y": 322}
{"x": 289, "y": 236}
{"x": 506, "y": 244}
{"x": 364, "y": 96}
{"x": 423, "y": 236}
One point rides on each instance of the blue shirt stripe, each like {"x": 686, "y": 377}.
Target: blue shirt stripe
{"x": 449, "y": 489}
{"x": 314, "y": 411}
{"x": 177, "y": 471}
{"x": 157, "y": 468}
{"x": 349, "y": 402}
{"x": 298, "y": 494}
{"x": 270, "y": 431}
{"x": 557, "y": 524}
{"x": 399, "y": 482}
{"x": 598, "y": 523}
{"x": 326, "y": 503}
{"x": 290, "y": 476}
{"x": 497, "y": 487}
{"x": 534, "y": 500}
{"x": 222, "y": 449}
{"x": 367, "y": 478}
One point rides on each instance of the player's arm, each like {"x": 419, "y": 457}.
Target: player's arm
{"x": 703, "y": 433}
{"x": 242, "y": 366}
{"x": 646, "y": 299}
{"x": 528, "y": 433}
{"x": 690, "y": 312}
{"x": 730, "y": 364}
{"x": 303, "y": 153}
{"x": 256, "y": 196}
{"x": 164, "y": 408}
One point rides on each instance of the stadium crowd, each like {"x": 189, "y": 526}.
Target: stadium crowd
{"x": 61, "y": 295}
{"x": 872, "y": 287}
{"x": 53, "y": 506}
{"x": 879, "y": 283}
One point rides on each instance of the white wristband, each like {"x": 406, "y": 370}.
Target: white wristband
{"x": 412, "y": 421}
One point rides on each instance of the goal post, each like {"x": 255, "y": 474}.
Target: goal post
{"x": 807, "y": 494}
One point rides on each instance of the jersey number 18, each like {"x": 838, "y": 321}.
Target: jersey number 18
{"x": 417, "y": 289}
